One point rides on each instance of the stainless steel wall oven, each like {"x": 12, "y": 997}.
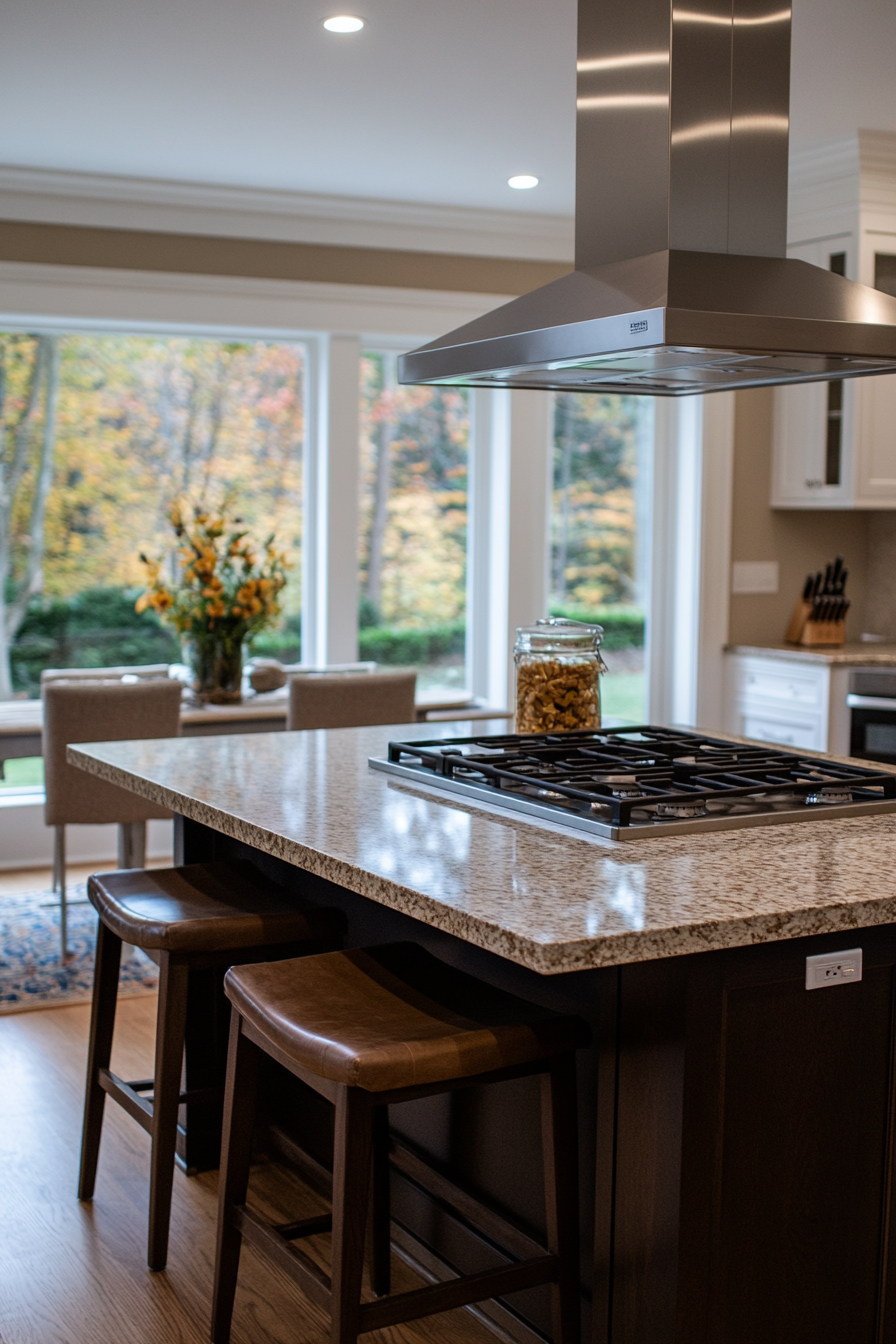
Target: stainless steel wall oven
{"x": 872, "y": 706}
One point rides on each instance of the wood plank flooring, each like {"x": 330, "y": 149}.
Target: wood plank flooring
{"x": 73, "y": 1273}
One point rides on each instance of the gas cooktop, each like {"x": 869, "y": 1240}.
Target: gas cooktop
{"x": 628, "y": 783}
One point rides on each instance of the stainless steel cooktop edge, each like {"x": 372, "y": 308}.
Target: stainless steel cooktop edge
{"x": 643, "y": 831}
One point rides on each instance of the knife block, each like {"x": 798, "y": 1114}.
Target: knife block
{"x": 804, "y": 631}
{"x": 801, "y": 613}
{"x": 815, "y": 633}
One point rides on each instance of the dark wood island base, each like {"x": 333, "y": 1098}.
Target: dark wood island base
{"x": 736, "y": 1133}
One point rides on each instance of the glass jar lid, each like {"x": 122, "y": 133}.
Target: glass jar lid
{"x": 558, "y": 635}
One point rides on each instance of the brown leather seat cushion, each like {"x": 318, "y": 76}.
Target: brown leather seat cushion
{"x": 393, "y": 1017}
{"x": 206, "y": 907}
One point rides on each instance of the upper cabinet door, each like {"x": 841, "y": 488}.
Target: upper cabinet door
{"x": 875, "y": 442}
{"x": 812, "y": 452}
{"x": 834, "y": 444}
{"x": 804, "y": 474}
{"x": 875, "y": 411}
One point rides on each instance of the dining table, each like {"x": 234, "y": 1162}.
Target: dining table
{"x": 21, "y": 721}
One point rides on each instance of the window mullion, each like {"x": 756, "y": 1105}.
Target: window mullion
{"x": 330, "y": 627}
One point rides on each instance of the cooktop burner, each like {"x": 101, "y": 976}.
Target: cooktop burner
{"x": 625, "y": 783}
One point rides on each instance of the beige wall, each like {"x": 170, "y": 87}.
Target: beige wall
{"x": 801, "y": 540}
{"x": 195, "y": 254}
{"x": 880, "y": 605}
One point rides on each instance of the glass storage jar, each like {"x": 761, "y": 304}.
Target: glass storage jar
{"x": 558, "y": 667}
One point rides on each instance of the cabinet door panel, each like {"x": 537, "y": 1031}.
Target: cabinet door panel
{"x": 800, "y": 432}
{"x": 799, "y": 437}
{"x": 804, "y": 1151}
{"x": 875, "y": 440}
{"x": 785, "y": 684}
{"x": 804, "y": 735}
{"x": 788, "y": 1131}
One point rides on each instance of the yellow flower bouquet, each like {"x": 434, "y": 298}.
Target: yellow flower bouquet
{"x": 228, "y": 589}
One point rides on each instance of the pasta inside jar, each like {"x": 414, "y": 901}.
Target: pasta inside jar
{"x": 558, "y": 667}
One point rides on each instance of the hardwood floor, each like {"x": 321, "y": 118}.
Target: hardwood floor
{"x": 74, "y": 1273}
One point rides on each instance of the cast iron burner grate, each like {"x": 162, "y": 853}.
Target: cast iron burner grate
{"x": 622, "y": 782}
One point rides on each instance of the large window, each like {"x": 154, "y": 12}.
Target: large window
{"x": 413, "y": 545}
{"x": 100, "y": 434}
{"x": 596, "y": 570}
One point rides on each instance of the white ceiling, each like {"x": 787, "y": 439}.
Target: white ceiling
{"x": 433, "y": 102}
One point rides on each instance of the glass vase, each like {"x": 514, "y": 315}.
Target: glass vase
{"x": 217, "y": 665}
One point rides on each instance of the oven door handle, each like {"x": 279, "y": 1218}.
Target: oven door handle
{"x": 872, "y": 702}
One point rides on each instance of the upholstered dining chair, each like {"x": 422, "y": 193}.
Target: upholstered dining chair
{"x": 342, "y": 700}
{"x": 86, "y": 710}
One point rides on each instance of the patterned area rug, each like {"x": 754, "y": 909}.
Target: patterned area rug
{"x": 32, "y": 973}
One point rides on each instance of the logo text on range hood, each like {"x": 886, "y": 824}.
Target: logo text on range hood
{"x": 681, "y": 282}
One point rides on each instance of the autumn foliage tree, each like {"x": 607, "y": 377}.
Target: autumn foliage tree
{"x": 101, "y": 432}
{"x": 414, "y": 450}
{"x": 593, "y": 551}
{"x": 29, "y": 384}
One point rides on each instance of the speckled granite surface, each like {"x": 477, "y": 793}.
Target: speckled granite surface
{"x": 848, "y": 655}
{"x": 547, "y": 898}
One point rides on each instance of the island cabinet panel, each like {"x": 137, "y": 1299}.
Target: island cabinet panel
{"x": 786, "y": 1172}
{"x": 640, "y": 1089}
{"x": 736, "y": 1134}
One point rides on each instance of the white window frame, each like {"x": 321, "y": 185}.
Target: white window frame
{"x": 687, "y": 626}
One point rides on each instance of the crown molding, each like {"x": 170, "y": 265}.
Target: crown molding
{"x": 40, "y": 195}
{"x": 834, "y": 183}
{"x": 46, "y": 297}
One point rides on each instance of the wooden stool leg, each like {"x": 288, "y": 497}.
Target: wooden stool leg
{"x": 236, "y": 1155}
{"x": 170, "y": 1025}
{"x": 559, "y": 1124}
{"x": 351, "y": 1183}
{"x": 381, "y": 1213}
{"x": 102, "y": 1025}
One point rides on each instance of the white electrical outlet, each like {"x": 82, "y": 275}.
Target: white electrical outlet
{"x": 834, "y": 968}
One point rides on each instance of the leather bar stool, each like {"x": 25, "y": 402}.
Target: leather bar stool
{"x": 187, "y": 919}
{"x": 366, "y": 1029}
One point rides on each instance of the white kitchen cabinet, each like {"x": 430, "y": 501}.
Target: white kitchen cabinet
{"x": 867, "y": 467}
{"x": 847, "y": 218}
{"x": 790, "y": 702}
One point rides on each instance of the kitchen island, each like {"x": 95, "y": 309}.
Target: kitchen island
{"x": 736, "y": 1130}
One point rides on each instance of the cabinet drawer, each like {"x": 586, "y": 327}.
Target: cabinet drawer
{"x": 806, "y": 736}
{"x": 781, "y": 686}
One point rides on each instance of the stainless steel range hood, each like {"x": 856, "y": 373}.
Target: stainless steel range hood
{"x": 681, "y": 284}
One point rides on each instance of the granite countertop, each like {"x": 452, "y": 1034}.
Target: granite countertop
{"x": 847, "y": 655}
{"x": 541, "y": 895}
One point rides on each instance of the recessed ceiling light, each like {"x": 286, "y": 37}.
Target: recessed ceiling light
{"x": 522, "y": 182}
{"x": 344, "y": 23}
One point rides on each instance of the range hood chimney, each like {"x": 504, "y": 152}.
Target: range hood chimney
{"x": 681, "y": 284}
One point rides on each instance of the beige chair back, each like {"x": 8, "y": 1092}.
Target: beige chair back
{"x": 143, "y": 672}
{"x": 85, "y": 710}
{"x": 346, "y": 701}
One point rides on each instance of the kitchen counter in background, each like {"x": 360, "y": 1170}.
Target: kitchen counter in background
{"x": 847, "y": 655}
{"x": 796, "y": 697}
